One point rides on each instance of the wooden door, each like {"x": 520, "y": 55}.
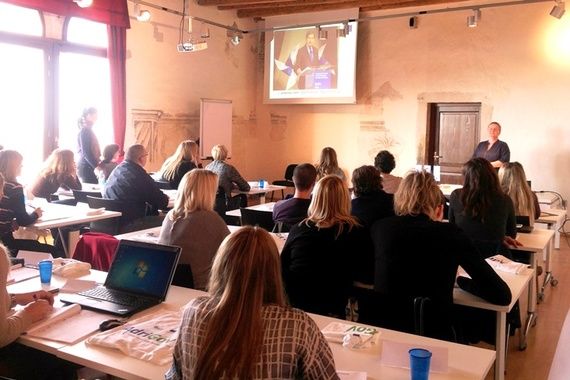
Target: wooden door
{"x": 453, "y": 134}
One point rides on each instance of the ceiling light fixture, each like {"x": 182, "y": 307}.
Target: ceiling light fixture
{"x": 141, "y": 15}
{"x": 234, "y": 34}
{"x": 558, "y": 10}
{"x": 83, "y": 3}
{"x": 345, "y": 30}
{"x": 473, "y": 20}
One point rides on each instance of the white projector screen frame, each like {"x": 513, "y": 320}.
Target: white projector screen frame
{"x": 337, "y": 56}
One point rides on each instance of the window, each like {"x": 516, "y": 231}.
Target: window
{"x": 18, "y": 20}
{"x": 40, "y": 113}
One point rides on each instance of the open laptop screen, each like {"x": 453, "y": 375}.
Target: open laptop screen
{"x": 143, "y": 268}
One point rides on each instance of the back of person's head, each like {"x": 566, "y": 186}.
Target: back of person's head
{"x": 480, "y": 187}
{"x": 366, "y": 180}
{"x": 304, "y": 177}
{"x": 418, "y": 194}
{"x": 4, "y": 255}
{"x": 186, "y": 151}
{"x": 109, "y": 152}
{"x": 60, "y": 162}
{"x": 330, "y": 205}
{"x": 135, "y": 153}
{"x": 514, "y": 184}
{"x": 10, "y": 161}
{"x": 246, "y": 274}
{"x": 196, "y": 192}
{"x": 385, "y": 162}
{"x": 219, "y": 152}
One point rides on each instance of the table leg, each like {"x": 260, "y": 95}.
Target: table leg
{"x": 549, "y": 277}
{"x": 63, "y": 243}
{"x": 262, "y": 198}
{"x": 531, "y": 307}
{"x": 500, "y": 345}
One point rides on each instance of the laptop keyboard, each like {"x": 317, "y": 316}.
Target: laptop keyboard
{"x": 113, "y": 296}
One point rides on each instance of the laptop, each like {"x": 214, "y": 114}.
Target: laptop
{"x": 523, "y": 224}
{"x": 139, "y": 278}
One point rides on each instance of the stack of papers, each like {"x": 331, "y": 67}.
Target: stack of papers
{"x": 500, "y": 262}
{"x": 335, "y": 331}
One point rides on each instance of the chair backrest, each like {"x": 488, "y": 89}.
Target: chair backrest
{"x": 259, "y": 218}
{"x": 289, "y": 171}
{"x": 183, "y": 276}
{"x": 130, "y": 212}
{"x": 162, "y": 184}
{"x": 81, "y": 195}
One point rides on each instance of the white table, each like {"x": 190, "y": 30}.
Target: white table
{"x": 465, "y": 362}
{"x": 547, "y": 199}
{"x": 267, "y": 207}
{"x": 516, "y": 283}
{"x": 540, "y": 240}
{"x": 58, "y": 215}
{"x": 553, "y": 218}
{"x": 447, "y": 189}
{"x": 150, "y": 235}
{"x": 261, "y": 191}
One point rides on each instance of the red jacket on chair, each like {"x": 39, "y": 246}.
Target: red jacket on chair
{"x": 96, "y": 248}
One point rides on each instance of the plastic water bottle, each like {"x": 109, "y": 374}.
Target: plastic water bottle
{"x": 261, "y": 184}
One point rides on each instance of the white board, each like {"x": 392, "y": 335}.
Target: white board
{"x": 215, "y": 125}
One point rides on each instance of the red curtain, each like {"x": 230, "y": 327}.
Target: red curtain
{"x": 110, "y": 12}
{"x": 117, "y": 57}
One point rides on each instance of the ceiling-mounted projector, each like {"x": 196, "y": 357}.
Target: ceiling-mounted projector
{"x": 188, "y": 47}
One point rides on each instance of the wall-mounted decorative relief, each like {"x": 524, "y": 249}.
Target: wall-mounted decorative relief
{"x": 161, "y": 133}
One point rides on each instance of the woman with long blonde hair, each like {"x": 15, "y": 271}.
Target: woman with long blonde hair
{"x": 514, "y": 184}
{"x": 59, "y": 171}
{"x": 318, "y": 255}
{"x": 328, "y": 164}
{"x": 193, "y": 225}
{"x": 184, "y": 159}
{"x": 243, "y": 328}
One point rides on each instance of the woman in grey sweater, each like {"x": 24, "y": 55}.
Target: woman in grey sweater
{"x": 193, "y": 225}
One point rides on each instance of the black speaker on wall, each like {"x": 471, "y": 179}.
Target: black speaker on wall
{"x": 413, "y": 22}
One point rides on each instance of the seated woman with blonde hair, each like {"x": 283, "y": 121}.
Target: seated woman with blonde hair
{"x": 514, "y": 184}
{"x": 318, "y": 256}
{"x": 181, "y": 162}
{"x": 18, "y": 361}
{"x": 194, "y": 225}
{"x": 59, "y": 171}
{"x": 243, "y": 329}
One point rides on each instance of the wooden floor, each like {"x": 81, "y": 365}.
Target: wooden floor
{"x": 534, "y": 362}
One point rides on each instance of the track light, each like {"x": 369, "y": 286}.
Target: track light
{"x": 473, "y": 20}
{"x": 234, "y": 35}
{"x": 83, "y": 3}
{"x": 558, "y": 10}
{"x": 141, "y": 15}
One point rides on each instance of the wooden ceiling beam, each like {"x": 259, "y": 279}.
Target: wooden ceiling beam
{"x": 317, "y": 5}
{"x": 296, "y": 3}
{"x": 237, "y": 2}
{"x": 413, "y": 3}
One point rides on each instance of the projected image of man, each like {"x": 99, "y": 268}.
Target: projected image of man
{"x": 307, "y": 58}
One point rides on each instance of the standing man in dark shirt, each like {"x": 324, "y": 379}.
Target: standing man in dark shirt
{"x": 130, "y": 183}
{"x": 293, "y": 210}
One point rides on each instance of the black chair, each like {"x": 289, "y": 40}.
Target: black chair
{"x": 183, "y": 276}
{"x": 162, "y": 184}
{"x": 262, "y": 219}
{"x": 113, "y": 226}
{"x": 81, "y": 195}
{"x": 288, "y": 181}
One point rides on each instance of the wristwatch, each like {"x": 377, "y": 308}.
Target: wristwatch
{"x": 12, "y": 301}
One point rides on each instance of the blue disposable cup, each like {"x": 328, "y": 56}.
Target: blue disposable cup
{"x": 45, "y": 267}
{"x": 419, "y": 363}
{"x": 261, "y": 184}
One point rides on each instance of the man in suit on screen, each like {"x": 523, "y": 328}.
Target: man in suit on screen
{"x": 307, "y": 57}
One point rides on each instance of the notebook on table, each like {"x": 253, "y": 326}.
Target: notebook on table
{"x": 139, "y": 277}
{"x": 523, "y": 224}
